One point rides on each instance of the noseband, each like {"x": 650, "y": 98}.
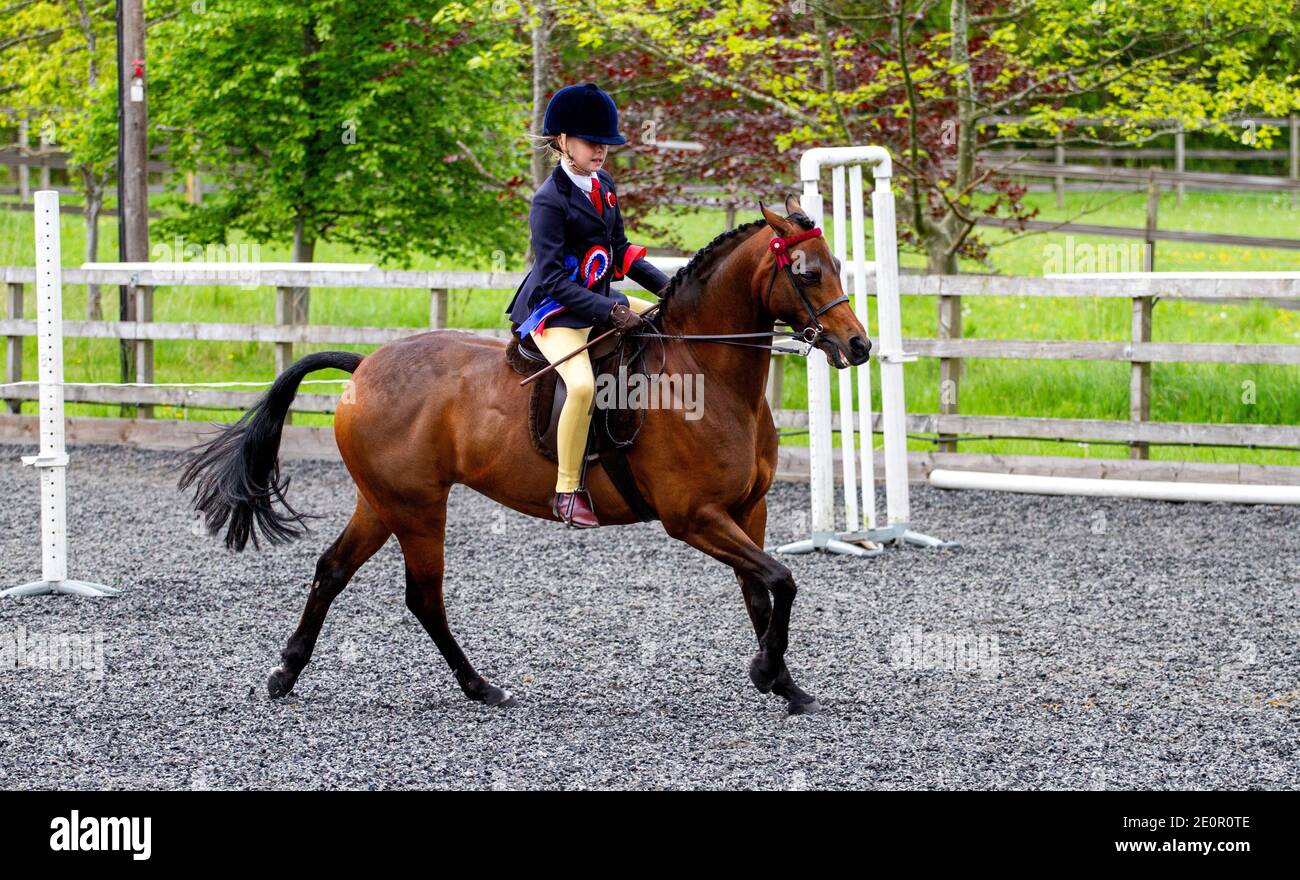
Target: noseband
{"x": 780, "y": 247}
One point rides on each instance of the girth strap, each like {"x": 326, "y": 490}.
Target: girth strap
{"x": 614, "y": 460}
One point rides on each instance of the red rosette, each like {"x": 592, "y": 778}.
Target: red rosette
{"x": 594, "y": 265}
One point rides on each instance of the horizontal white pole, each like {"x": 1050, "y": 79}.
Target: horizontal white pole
{"x": 1173, "y": 276}
{"x": 1151, "y": 490}
{"x": 811, "y": 163}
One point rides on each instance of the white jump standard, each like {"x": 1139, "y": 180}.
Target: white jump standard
{"x": 860, "y": 525}
{"x": 52, "y": 461}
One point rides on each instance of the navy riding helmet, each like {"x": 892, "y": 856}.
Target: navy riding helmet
{"x": 584, "y": 111}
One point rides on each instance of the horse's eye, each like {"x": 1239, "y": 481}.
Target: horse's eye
{"x": 810, "y": 277}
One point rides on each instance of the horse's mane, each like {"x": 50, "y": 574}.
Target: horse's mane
{"x": 715, "y": 250}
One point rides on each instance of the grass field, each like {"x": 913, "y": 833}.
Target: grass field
{"x": 1180, "y": 392}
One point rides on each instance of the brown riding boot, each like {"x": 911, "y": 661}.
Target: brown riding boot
{"x": 575, "y": 509}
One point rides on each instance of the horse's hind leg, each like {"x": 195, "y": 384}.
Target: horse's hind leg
{"x": 362, "y": 538}
{"x": 758, "y": 602}
{"x": 424, "y": 568}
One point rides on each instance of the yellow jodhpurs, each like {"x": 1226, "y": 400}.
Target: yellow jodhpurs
{"x": 575, "y": 417}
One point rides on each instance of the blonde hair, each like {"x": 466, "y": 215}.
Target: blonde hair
{"x": 548, "y": 142}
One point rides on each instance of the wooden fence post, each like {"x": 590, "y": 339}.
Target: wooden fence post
{"x": 143, "y": 347}
{"x": 24, "y": 172}
{"x": 1180, "y": 162}
{"x": 1294, "y": 145}
{"x": 291, "y": 307}
{"x": 438, "y": 308}
{"x": 14, "y": 344}
{"x": 1058, "y": 182}
{"x": 1153, "y": 209}
{"x": 949, "y": 368}
{"x": 1139, "y": 385}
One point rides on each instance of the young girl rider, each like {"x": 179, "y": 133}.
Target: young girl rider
{"x": 579, "y": 246}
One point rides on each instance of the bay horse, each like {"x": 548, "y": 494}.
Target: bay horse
{"x": 444, "y": 407}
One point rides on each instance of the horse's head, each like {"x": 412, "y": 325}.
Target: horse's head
{"x": 801, "y": 286}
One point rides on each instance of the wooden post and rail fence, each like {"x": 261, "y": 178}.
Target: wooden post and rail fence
{"x": 293, "y": 328}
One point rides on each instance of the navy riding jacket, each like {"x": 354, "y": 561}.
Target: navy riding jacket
{"x": 564, "y": 223}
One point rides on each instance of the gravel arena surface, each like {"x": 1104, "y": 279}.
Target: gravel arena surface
{"x": 1070, "y": 643}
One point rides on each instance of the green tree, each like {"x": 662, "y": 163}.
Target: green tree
{"x": 58, "y": 66}
{"x": 358, "y": 123}
{"x": 920, "y": 76}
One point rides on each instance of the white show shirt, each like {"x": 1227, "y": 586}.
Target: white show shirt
{"x": 583, "y": 181}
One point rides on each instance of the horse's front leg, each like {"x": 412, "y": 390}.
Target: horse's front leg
{"x": 712, "y": 530}
{"x": 758, "y": 603}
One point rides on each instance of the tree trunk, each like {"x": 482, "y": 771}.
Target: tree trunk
{"x": 541, "y": 38}
{"x": 295, "y": 307}
{"x": 304, "y": 243}
{"x": 939, "y": 260}
{"x": 94, "y": 203}
{"x": 942, "y": 248}
{"x": 942, "y": 237}
{"x": 304, "y": 251}
{"x": 93, "y": 186}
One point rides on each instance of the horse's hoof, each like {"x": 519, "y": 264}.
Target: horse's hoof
{"x": 803, "y": 707}
{"x": 480, "y": 691}
{"x": 762, "y": 678}
{"x": 497, "y": 698}
{"x": 279, "y": 683}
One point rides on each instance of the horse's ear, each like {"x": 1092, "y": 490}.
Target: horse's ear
{"x": 792, "y": 205}
{"x": 775, "y": 220}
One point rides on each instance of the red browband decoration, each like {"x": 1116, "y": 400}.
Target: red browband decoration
{"x": 781, "y": 246}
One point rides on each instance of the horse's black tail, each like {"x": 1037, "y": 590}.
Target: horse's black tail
{"x": 236, "y": 474}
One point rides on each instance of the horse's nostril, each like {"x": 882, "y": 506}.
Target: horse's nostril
{"x": 860, "y": 347}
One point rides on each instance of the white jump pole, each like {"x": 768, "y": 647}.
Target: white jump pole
{"x": 1151, "y": 490}
{"x": 868, "y": 447}
{"x": 848, "y": 463}
{"x": 861, "y": 524}
{"x": 821, "y": 476}
{"x": 52, "y": 461}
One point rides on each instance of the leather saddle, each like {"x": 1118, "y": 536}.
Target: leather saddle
{"x": 613, "y": 431}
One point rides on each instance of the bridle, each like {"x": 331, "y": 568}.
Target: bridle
{"x": 780, "y": 248}
{"x": 811, "y": 333}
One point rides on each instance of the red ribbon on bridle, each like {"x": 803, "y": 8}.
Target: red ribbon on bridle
{"x": 781, "y": 246}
